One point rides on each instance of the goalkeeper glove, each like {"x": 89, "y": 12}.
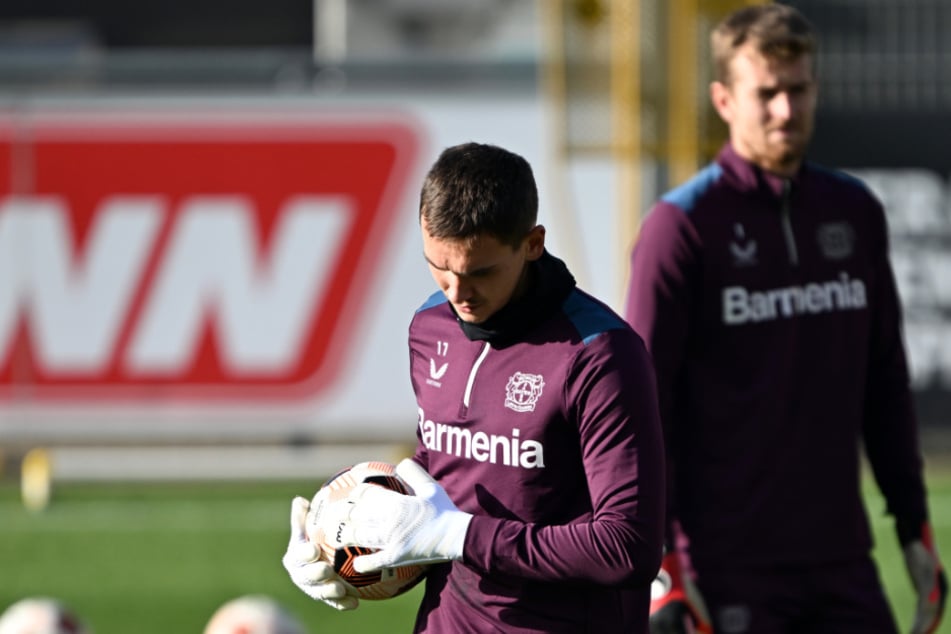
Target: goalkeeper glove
{"x": 407, "y": 529}
{"x": 676, "y": 604}
{"x": 315, "y": 578}
{"x": 929, "y": 579}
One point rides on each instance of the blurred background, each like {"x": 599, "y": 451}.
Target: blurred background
{"x": 209, "y": 252}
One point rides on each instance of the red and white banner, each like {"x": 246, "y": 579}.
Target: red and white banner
{"x": 175, "y": 273}
{"x": 190, "y": 257}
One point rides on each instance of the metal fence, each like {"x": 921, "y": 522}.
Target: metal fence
{"x": 883, "y": 55}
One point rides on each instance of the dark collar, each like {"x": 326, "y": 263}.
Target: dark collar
{"x": 753, "y": 177}
{"x": 549, "y": 284}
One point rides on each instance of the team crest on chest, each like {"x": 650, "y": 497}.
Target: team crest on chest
{"x": 523, "y": 390}
{"x": 836, "y": 240}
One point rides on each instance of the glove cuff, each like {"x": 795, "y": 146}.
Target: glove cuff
{"x": 455, "y": 526}
{"x": 674, "y": 586}
{"x": 911, "y": 529}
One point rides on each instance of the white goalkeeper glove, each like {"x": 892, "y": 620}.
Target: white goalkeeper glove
{"x": 676, "y": 604}
{"x": 315, "y": 578}
{"x": 928, "y": 577}
{"x": 422, "y": 528}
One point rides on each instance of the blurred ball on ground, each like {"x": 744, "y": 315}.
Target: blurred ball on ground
{"x": 252, "y": 614}
{"x": 41, "y": 615}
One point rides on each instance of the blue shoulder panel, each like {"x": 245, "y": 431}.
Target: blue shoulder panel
{"x": 842, "y": 176}
{"x": 685, "y": 196}
{"x": 434, "y": 300}
{"x": 590, "y": 317}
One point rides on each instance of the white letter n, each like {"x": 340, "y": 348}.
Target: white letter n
{"x": 214, "y": 267}
{"x": 75, "y": 302}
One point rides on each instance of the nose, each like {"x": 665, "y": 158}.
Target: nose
{"x": 782, "y": 106}
{"x": 456, "y": 289}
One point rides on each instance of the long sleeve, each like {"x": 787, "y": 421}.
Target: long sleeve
{"x": 552, "y": 441}
{"x": 612, "y": 392}
{"x": 663, "y": 268}
{"x": 890, "y": 427}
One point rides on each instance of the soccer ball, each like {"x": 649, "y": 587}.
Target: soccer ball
{"x": 328, "y": 526}
{"x": 253, "y": 614}
{"x": 40, "y": 615}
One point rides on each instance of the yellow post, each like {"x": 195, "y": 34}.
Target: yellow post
{"x": 555, "y": 82}
{"x": 683, "y": 123}
{"x": 553, "y": 71}
{"x": 626, "y": 125}
{"x": 36, "y": 479}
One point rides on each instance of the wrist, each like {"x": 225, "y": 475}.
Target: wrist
{"x": 911, "y": 529}
{"x": 454, "y": 530}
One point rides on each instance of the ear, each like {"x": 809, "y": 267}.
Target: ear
{"x": 535, "y": 243}
{"x": 722, "y": 100}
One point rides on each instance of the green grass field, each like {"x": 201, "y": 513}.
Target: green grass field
{"x": 159, "y": 558}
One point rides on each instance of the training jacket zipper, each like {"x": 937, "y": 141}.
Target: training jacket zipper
{"x": 787, "y": 225}
{"x": 472, "y": 374}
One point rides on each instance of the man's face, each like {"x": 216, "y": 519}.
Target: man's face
{"x": 480, "y": 277}
{"x": 769, "y": 106}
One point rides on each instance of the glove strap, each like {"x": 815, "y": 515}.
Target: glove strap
{"x": 673, "y": 585}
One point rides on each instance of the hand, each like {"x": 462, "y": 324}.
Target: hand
{"x": 316, "y": 578}
{"x": 676, "y": 604}
{"x": 422, "y": 528}
{"x": 930, "y": 581}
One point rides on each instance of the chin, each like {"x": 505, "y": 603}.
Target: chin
{"x": 791, "y": 162}
{"x": 785, "y": 163}
{"x": 791, "y": 152}
{"x": 469, "y": 318}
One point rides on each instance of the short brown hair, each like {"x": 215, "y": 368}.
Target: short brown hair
{"x": 476, "y": 189}
{"x": 778, "y": 31}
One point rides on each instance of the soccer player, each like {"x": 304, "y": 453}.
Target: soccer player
{"x": 538, "y": 473}
{"x": 764, "y": 292}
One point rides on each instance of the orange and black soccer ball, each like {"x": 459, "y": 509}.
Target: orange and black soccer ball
{"x": 328, "y": 526}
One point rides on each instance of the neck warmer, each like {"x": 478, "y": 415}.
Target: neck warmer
{"x": 548, "y": 284}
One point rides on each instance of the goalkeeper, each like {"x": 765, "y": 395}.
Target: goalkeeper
{"x": 764, "y": 292}
{"x": 538, "y": 475}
